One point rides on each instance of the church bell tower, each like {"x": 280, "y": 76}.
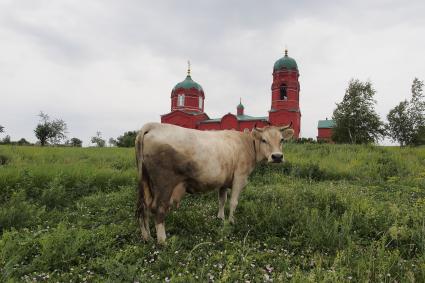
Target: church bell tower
{"x": 285, "y": 106}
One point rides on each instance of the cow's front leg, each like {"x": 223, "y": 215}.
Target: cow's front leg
{"x": 238, "y": 185}
{"x": 222, "y": 197}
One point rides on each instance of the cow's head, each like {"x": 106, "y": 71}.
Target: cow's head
{"x": 268, "y": 142}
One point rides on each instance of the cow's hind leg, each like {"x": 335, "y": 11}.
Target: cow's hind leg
{"x": 143, "y": 203}
{"x": 159, "y": 224}
{"x": 144, "y": 225}
{"x": 222, "y": 197}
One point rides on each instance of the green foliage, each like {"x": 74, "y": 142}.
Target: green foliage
{"x": 305, "y": 140}
{"x": 1, "y": 129}
{"x": 62, "y": 247}
{"x": 17, "y": 212}
{"x": 23, "y": 141}
{"x": 332, "y": 213}
{"x": 55, "y": 194}
{"x": 5, "y": 140}
{"x": 127, "y": 140}
{"x": 50, "y": 131}
{"x": 76, "y": 142}
{"x": 356, "y": 119}
{"x": 406, "y": 121}
{"x": 400, "y": 126}
{"x": 4, "y": 159}
{"x": 98, "y": 140}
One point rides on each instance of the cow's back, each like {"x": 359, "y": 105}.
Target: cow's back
{"x": 205, "y": 160}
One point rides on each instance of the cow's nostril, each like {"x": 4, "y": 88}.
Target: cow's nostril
{"x": 277, "y": 157}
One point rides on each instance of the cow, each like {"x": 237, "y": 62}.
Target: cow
{"x": 173, "y": 161}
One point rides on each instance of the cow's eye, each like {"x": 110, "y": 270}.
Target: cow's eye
{"x": 263, "y": 141}
{"x": 281, "y": 141}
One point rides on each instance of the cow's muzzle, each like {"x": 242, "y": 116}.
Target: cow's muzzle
{"x": 277, "y": 157}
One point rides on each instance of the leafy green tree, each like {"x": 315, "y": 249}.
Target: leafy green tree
{"x": 112, "y": 142}
{"x": 76, "y": 142}
{"x": 419, "y": 138}
{"x": 127, "y": 140}
{"x": 48, "y": 131}
{"x": 406, "y": 121}
{"x": 6, "y": 140}
{"x": 417, "y": 112}
{"x": 23, "y": 141}
{"x": 355, "y": 117}
{"x": 98, "y": 140}
{"x": 400, "y": 126}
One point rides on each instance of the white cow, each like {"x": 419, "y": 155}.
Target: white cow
{"x": 173, "y": 161}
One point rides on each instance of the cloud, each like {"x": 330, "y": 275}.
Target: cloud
{"x": 110, "y": 66}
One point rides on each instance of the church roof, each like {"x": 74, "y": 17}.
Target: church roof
{"x": 249, "y": 118}
{"x": 188, "y": 83}
{"x": 238, "y": 117}
{"x": 285, "y": 62}
{"x": 327, "y": 124}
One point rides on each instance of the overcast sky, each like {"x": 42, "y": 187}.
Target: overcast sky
{"x": 110, "y": 66}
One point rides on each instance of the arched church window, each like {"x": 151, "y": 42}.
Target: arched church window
{"x": 180, "y": 100}
{"x": 200, "y": 103}
{"x": 283, "y": 92}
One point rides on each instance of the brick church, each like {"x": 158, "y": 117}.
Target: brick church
{"x": 187, "y": 103}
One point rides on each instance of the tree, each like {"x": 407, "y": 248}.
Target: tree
{"x": 355, "y": 117}
{"x": 50, "y": 131}
{"x": 1, "y": 129}
{"x": 419, "y": 138}
{"x": 406, "y": 121}
{"x": 400, "y": 126}
{"x": 112, "y": 142}
{"x": 23, "y": 141}
{"x": 5, "y": 140}
{"x": 127, "y": 140}
{"x": 76, "y": 142}
{"x": 98, "y": 140}
{"x": 417, "y": 112}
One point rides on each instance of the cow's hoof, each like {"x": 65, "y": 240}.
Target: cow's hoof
{"x": 162, "y": 242}
{"x": 219, "y": 216}
{"x": 146, "y": 238}
{"x": 231, "y": 220}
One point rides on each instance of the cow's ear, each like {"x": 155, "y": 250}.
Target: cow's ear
{"x": 256, "y": 133}
{"x": 287, "y": 134}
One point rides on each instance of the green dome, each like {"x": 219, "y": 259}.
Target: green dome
{"x": 285, "y": 62}
{"x": 188, "y": 83}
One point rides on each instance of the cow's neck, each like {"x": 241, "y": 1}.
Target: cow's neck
{"x": 255, "y": 152}
{"x": 255, "y": 148}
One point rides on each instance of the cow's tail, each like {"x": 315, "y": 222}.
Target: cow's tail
{"x": 144, "y": 188}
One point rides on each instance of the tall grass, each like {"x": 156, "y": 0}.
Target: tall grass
{"x": 332, "y": 213}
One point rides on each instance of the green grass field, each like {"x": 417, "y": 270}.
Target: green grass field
{"x": 332, "y": 213}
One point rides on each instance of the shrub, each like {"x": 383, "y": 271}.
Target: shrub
{"x": 55, "y": 195}
{"x": 4, "y": 159}
{"x": 62, "y": 247}
{"x": 19, "y": 213}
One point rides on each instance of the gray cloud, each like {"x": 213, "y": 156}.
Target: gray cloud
{"x": 110, "y": 65}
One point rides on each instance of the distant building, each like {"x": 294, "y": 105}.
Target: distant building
{"x": 187, "y": 104}
{"x": 324, "y": 129}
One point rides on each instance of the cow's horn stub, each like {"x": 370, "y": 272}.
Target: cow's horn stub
{"x": 286, "y": 127}
{"x": 257, "y": 129}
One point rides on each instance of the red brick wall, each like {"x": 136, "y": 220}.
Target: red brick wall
{"x": 324, "y": 133}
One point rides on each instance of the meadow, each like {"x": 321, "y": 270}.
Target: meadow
{"x": 331, "y": 213}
